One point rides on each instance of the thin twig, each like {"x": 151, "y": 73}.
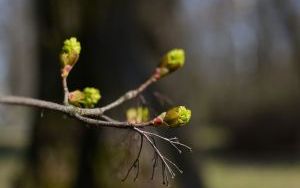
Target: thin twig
{"x": 164, "y": 174}
{"x": 107, "y": 118}
{"x": 127, "y": 96}
{"x": 176, "y": 166}
{"x": 155, "y": 158}
{"x": 136, "y": 161}
{"x": 171, "y": 172}
{"x": 138, "y": 158}
{"x": 66, "y": 90}
{"x": 112, "y": 124}
{"x": 173, "y": 141}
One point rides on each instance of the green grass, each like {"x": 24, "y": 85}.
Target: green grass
{"x": 9, "y": 168}
{"x": 223, "y": 174}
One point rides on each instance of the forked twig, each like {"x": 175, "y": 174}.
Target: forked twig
{"x": 173, "y": 141}
{"x": 160, "y": 155}
{"x": 155, "y": 158}
{"x": 136, "y": 161}
{"x": 166, "y": 162}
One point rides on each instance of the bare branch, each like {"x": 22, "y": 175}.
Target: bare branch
{"x": 155, "y": 158}
{"x": 164, "y": 174}
{"x": 112, "y": 123}
{"x": 162, "y": 158}
{"x": 178, "y": 169}
{"x": 71, "y": 109}
{"x": 107, "y": 118}
{"x": 173, "y": 141}
{"x": 136, "y": 162}
{"x": 127, "y": 96}
{"x": 166, "y": 168}
{"x": 66, "y": 90}
{"x": 14, "y": 100}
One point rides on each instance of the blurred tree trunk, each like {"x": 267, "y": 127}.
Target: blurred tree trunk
{"x": 289, "y": 17}
{"x": 60, "y": 147}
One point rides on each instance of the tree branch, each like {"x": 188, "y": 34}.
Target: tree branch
{"x": 115, "y": 124}
{"x": 70, "y": 110}
{"x": 127, "y": 96}
{"x": 24, "y": 101}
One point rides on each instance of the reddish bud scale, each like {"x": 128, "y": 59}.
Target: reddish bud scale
{"x": 158, "y": 121}
{"x": 157, "y": 74}
{"x": 71, "y": 96}
{"x": 66, "y": 70}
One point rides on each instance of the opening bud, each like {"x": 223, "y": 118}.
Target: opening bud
{"x": 171, "y": 62}
{"x": 92, "y": 96}
{"x": 76, "y": 97}
{"x": 87, "y": 98}
{"x": 175, "y": 117}
{"x": 71, "y": 46}
{"x": 69, "y": 55}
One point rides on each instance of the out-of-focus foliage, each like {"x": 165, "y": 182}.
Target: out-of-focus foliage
{"x": 137, "y": 115}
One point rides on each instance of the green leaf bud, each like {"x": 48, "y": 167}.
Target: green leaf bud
{"x": 69, "y": 55}
{"x": 176, "y": 117}
{"x": 137, "y": 115}
{"x": 76, "y": 97}
{"x": 71, "y": 46}
{"x": 92, "y": 96}
{"x": 87, "y": 98}
{"x": 171, "y": 62}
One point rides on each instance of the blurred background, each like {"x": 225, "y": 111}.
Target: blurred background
{"x": 241, "y": 80}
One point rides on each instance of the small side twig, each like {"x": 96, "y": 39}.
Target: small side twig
{"x": 173, "y": 141}
{"x": 166, "y": 162}
{"x": 155, "y": 158}
{"x": 66, "y": 90}
{"x": 136, "y": 162}
{"x": 122, "y": 125}
{"x": 160, "y": 155}
{"x": 127, "y": 96}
